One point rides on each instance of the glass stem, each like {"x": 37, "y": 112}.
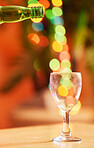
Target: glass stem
{"x": 66, "y": 127}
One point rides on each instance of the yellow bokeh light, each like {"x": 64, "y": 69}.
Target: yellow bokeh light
{"x": 57, "y": 2}
{"x": 57, "y": 46}
{"x": 62, "y": 91}
{"x": 36, "y": 20}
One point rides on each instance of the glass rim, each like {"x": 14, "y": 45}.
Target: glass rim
{"x": 65, "y": 73}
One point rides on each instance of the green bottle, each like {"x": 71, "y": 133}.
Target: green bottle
{"x": 10, "y": 14}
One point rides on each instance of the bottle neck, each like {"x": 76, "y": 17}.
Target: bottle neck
{"x": 32, "y": 12}
{"x": 9, "y": 14}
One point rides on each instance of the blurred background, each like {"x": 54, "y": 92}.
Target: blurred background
{"x": 27, "y": 47}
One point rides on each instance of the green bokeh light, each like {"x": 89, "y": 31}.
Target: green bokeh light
{"x": 60, "y": 30}
{"x": 66, "y": 76}
{"x": 60, "y": 38}
{"x": 57, "y": 11}
{"x": 65, "y": 63}
{"x": 32, "y": 1}
{"x": 66, "y": 83}
{"x": 49, "y": 14}
{"x": 54, "y": 64}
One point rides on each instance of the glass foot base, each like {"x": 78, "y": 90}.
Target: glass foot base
{"x": 66, "y": 139}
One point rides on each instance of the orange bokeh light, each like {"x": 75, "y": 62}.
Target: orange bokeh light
{"x": 70, "y": 92}
{"x": 44, "y": 42}
{"x": 45, "y": 3}
{"x": 70, "y": 100}
{"x": 34, "y": 38}
{"x": 65, "y": 47}
{"x": 64, "y": 55}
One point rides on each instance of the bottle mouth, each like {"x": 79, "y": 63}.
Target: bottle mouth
{"x": 38, "y": 11}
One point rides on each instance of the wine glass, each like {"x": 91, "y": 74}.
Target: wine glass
{"x": 66, "y": 88}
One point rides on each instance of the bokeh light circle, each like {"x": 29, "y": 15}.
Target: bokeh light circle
{"x": 66, "y": 47}
{"x": 60, "y": 38}
{"x": 64, "y": 55}
{"x": 34, "y": 38}
{"x": 76, "y": 108}
{"x": 57, "y": 46}
{"x": 65, "y": 63}
{"x": 45, "y": 3}
{"x": 57, "y": 2}
{"x": 62, "y": 91}
{"x": 70, "y": 102}
{"x": 49, "y": 14}
{"x": 66, "y": 83}
{"x": 60, "y": 29}
{"x": 37, "y": 26}
{"x": 32, "y": 2}
{"x": 57, "y": 21}
{"x": 70, "y": 92}
{"x": 57, "y": 11}
{"x": 44, "y": 42}
{"x": 54, "y": 64}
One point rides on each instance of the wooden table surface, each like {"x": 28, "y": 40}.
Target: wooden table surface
{"x": 41, "y": 136}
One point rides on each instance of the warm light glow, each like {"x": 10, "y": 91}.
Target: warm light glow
{"x": 65, "y": 63}
{"x": 57, "y": 11}
{"x": 34, "y": 38}
{"x": 57, "y": 2}
{"x": 65, "y": 47}
{"x": 36, "y": 20}
{"x": 76, "y": 108}
{"x": 37, "y": 26}
{"x": 65, "y": 70}
{"x": 57, "y": 46}
{"x": 40, "y": 74}
{"x": 54, "y": 64}
{"x": 62, "y": 91}
{"x": 70, "y": 101}
{"x": 60, "y": 30}
{"x": 45, "y": 3}
{"x": 49, "y": 14}
{"x": 64, "y": 55}
{"x": 44, "y": 42}
{"x": 70, "y": 92}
